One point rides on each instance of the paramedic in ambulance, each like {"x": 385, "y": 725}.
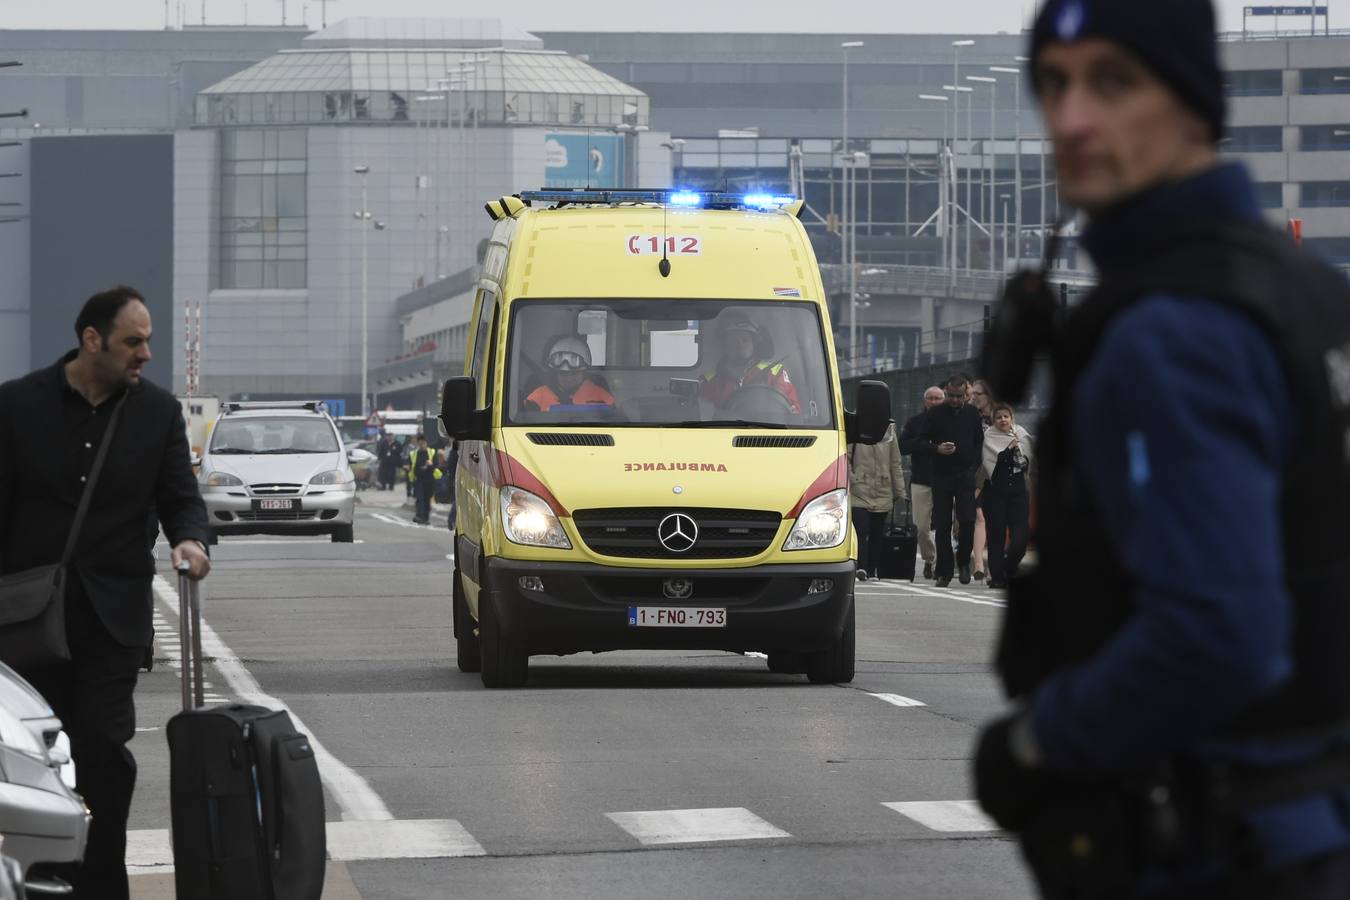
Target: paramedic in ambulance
{"x": 745, "y": 349}
{"x": 568, "y": 385}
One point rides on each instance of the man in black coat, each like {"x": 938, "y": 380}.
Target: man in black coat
{"x": 52, "y": 422}
{"x": 952, "y": 437}
{"x": 388, "y": 468}
{"x": 921, "y": 478}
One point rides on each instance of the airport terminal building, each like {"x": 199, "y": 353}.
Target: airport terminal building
{"x": 244, "y": 170}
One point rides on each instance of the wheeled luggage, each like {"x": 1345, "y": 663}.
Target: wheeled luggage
{"x": 245, "y": 796}
{"x": 899, "y": 549}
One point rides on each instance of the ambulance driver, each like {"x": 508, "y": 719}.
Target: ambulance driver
{"x": 744, "y": 363}
{"x": 567, "y": 384}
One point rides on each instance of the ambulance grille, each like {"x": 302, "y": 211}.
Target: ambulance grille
{"x": 768, "y": 440}
{"x": 722, "y": 533}
{"x": 564, "y": 439}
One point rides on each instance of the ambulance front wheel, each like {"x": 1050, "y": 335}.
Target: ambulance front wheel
{"x": 835, "y": 664}
{"x": 504, "y": 666}
{"x": 466, "y": 641}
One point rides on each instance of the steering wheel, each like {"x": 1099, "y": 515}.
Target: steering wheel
{"x": 750, "y": 400}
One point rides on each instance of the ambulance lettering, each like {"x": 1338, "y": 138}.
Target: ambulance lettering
{"x": 674, "y": 467}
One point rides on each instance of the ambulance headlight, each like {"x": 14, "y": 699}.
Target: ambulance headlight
{"x": 822, "y": 524}
{"x": 223, "y": 479}
{"x": 528, "y": 520}
{"x": 336, "y": 476}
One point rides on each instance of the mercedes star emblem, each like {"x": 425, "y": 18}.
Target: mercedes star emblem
{"x": 677, "y": 533}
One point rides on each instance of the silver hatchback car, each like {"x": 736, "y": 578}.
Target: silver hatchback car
{"x": 278, "y": 468}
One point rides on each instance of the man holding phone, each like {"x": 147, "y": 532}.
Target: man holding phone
{"x": 952, "y": 436}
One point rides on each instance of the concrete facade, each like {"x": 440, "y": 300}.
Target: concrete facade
{"x": 726, "y": 110}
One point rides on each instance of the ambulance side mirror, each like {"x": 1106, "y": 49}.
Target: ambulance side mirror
{"x": 463, "y": 421}
{"x": 867, "y": 424}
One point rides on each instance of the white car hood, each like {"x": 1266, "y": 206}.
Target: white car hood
{"x": 265, "y": 468}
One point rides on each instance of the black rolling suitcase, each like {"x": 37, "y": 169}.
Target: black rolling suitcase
{"x": 899, "y": 548}
{"x": 244, "y": 792}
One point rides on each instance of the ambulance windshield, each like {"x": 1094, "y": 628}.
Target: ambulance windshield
{"x": 686, "y": 363}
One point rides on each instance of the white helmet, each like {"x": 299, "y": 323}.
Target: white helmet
{"x": 568, "y": 353}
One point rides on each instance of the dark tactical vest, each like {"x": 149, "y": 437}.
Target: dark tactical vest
{"x": 1067, "y": 609}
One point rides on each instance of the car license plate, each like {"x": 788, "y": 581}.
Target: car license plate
{"x": 277, "y": 503}
{"x": 677, "y": 617}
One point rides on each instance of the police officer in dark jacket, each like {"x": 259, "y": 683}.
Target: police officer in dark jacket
{"x": 1180, "y": 659}
{"x": 951, "y": 438}
{"x": 52, "y": 422}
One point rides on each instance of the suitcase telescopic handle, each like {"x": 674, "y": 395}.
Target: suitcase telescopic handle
{"x": 190, "y": 638}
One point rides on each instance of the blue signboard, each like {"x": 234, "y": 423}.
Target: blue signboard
{"x": 1285, "y": 11}
{"x": 583, "y": 160}
{"x": 335, "y": 408}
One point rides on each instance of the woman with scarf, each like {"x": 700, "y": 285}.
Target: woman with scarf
{"x": 1005, "y": 498}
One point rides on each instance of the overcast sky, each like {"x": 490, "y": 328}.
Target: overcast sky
{"x": 860, "y": 16}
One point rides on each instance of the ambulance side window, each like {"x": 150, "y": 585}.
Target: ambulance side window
{"x": 482, "y": 346}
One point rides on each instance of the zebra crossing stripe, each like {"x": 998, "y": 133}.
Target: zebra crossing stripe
{"x": 149, "y": 850}
{"x": 945, "y": 815}
{"x": 692, "y": 826}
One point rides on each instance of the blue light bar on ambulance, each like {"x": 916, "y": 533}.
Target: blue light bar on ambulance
{"x": 681, "y": 198}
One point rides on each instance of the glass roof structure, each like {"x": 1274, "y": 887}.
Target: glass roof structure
{"x": 496, "y": 86}
{"x": 384, "y": 33}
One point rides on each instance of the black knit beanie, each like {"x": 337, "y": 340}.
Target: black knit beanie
{"x": 1175, "y": 38}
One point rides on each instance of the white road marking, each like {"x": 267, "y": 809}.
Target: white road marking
{"x": 147, "y": 728}
{"x": 897, "y": 700}
{"x": 149, "y": 850}
{"x": 357, "y": 799}
{"x": 689, "y": 826}
{"x": 944, "y": 594}
{"x": 395, "y": 520}
{"x": 946, "y": 815}
{"x": 756, "y": 654}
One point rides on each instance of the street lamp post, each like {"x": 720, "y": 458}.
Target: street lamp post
{"x": 1017, "y": 156}
{"x": 1004, "y": 198}
{"x": 363, "y": 215}
{"x": 957, "y": 91}
{"x": 944, "y": 201}
{"x": 956, "y": 138}
{"x": 849, "y": 235}
{"x": 993, "y": 162}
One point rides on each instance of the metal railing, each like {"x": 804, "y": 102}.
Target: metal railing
{"x": 932, "y": 281}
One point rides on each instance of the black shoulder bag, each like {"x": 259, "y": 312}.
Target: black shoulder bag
{"x": 33, "y": 602}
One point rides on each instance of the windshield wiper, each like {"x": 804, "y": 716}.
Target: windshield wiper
{"x": 224, "y": 450}
{"x": 288, "y": 451}
{"x": 723, "y": 423}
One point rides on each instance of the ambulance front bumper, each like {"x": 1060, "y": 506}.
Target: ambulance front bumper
{"x": 574, "y": 607}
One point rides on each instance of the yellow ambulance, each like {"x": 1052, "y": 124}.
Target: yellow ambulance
{"x": 652, "y": 439}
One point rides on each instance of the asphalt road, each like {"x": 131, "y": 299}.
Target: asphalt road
{"x": 625, "y": 775}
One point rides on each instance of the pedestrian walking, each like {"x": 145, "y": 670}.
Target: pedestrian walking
{"x": 422, "y": 468}
{"x": 983, "y": 400}
{"x": 921, "y": 479}
{"x": 876, "y": 483}
{"x": 405, "y": 465}
{"x": 1005, "y": 500}
{"x": 54, "y": 424}
{"x": 952, "y": 438}
{"x": 388, "y": 462}
{"x": 1179, "y": 659}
